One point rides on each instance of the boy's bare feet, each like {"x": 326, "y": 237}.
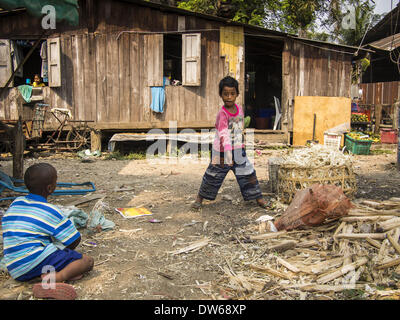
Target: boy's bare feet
{"x": 262, "y": 203}
{"x": 197, "y": 204}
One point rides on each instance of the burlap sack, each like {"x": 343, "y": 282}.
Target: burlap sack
{"x": 312, "y": 206}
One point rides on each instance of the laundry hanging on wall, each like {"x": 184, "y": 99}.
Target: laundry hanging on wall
{"x": 43, "y": 54}
{"x": 158, "y": 98}
{"x": 16, "y": 57}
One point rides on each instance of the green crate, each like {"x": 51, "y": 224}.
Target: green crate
{"x": 357, "y": 146}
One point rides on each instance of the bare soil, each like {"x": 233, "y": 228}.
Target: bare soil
{"x": 133, "y": 261}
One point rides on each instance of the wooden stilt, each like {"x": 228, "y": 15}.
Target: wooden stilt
{"x": 18, "y": 151}
{"x": 95, "y": 140}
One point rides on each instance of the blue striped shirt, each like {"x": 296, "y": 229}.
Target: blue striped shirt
{"x": 28, "y": 227}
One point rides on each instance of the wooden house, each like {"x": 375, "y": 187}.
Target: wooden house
{"x": 104, "y": 69}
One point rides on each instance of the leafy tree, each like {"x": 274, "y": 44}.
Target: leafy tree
{"x": 303, "y": 17}
{"x": 364, "y": 19}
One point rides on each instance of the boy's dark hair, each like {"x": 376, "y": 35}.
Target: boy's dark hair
{"x": 228, "y": 82}
{"x": 39, "y": 176}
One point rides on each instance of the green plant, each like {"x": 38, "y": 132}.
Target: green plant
{"x": 131, "y": 156}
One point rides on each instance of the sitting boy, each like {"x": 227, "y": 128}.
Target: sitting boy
{"x": 29, "y": 225}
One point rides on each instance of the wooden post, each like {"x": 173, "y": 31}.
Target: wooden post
{"x": 378, "y": 117}
{"x": 398, "y": 139}
{"x": 95, "y": 140}
{"x": 396, "y": 115}
{"x": 18, "y": 151}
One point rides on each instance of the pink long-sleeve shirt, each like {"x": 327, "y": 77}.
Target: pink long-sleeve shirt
{"x": 229, "y": 126}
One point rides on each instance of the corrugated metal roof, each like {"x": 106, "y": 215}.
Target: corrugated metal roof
{"x": 387, "y": 44}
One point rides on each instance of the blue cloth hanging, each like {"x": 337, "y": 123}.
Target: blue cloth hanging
{"x": 158, "y": 98}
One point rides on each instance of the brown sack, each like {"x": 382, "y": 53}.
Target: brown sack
{"x": 312, "y": 206}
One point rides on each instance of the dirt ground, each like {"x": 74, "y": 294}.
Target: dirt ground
{"x": 133, "y": 261}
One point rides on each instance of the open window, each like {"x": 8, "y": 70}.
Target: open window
{"x": 173, "y": 58}
{"x": 176, "y": 58}
{"x": 43, "y": 61}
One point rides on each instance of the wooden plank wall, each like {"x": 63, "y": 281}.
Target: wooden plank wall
{"x": 380, "y": 92}
{"x": 104, "y": 73}
{"x": 311, "y": 71}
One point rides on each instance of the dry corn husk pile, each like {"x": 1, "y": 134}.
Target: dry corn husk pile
{"x": 357, "y": 256}
{"x": 317, "y": 156}
{"x": 316, "y": 164}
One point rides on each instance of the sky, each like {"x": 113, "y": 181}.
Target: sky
{"x": 383, "y": 6}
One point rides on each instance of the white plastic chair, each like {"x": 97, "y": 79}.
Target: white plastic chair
{"x": 278, "y": 113}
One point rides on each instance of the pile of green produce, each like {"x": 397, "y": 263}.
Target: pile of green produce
{"x": 368, "y": 135}
{"x": 359, "y": 118}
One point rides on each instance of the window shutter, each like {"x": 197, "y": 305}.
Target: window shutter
{"x": 153, "y": 59}
{"x": 191, "y": 59}
{"x": 54, "y": 62}
{"x": 5, "y": 62}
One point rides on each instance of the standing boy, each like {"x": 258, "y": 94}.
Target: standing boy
{"x": 229, "y": 152}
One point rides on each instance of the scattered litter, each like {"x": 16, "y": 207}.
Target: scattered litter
{"x": 96, "y": 219}
{"x": 227, "y": 197}
{"x": 133, "y": 212}
{"x": 122, "y": 189}
{"x": 155, "y": 221}
{"x": 167, "y": 276}
{"x": 88, "y": 156}
{"x": 89, "y": 243}
{"x": 265, "y": 218}
{"x": 85, "y": 199}
{"x": 191, "y": 223}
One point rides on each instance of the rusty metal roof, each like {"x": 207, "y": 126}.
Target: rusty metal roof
{"x": 388, "y": 44}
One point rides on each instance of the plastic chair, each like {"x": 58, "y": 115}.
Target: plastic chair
{"x": 278, "y": 113}
{"x": 7, "y": 182}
